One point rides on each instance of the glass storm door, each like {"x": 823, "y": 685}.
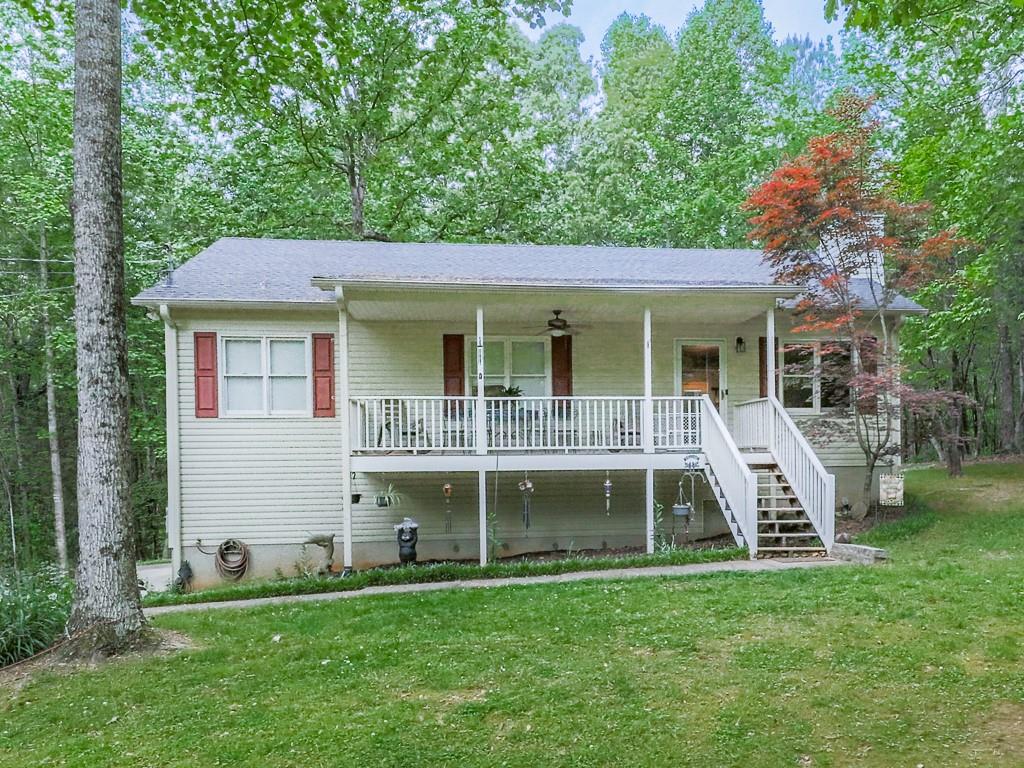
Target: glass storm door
{"x": 701, "y": 370}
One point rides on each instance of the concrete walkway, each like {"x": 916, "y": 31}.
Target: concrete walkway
{"x": 157, "y": 576}
{"x": 728, "y": 566}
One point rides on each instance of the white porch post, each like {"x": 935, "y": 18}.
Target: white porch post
{"x": 648, "y": 410}
{"x": 649, "y": 483}
{"x": 343, "y": 411}
{"x": 481, "y": 405}
{"x": 770, "y": 354}
{"x": 173, "y": 439}
{"x": 482, "y": 485}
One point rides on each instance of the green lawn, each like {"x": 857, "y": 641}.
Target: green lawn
{"x": 919, "y": 662}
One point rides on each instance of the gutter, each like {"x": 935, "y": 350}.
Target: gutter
{"x": 329, "y": 283}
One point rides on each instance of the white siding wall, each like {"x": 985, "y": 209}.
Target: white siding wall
{"x": 261, "y": 480}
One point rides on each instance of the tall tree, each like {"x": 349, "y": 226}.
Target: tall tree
{"x": 106, "y": 613}
{"x": 352, "y": 84}
{"x": 827, "y": 219}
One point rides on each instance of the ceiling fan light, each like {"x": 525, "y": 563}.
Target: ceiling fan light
{"x": 557, "y": 332}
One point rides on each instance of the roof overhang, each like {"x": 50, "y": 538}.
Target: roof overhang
{"x": 331, "y": 283}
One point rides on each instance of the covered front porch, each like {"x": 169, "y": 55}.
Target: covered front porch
{"x": 480, "y": 381}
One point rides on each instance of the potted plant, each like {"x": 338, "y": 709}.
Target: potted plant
{"x": 389, "y": 497}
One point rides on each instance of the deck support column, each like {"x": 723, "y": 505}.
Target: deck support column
{"x": 649, "y": 500}
{"x": 482, "y": 486}
{"x": 481, "y": 405}
{"x": 648, "y": 408}
{"x": 343, "y": 410}
{"x": 772, "y": 359}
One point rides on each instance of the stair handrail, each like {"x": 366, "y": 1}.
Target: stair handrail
{"x": 814, "y": 486}
{"x": 738, "y": 483}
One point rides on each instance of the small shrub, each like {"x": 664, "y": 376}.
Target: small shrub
{"x": 445, "y": 571}
{"x": 917, "y": 520}
{"x": 34, "y": 607}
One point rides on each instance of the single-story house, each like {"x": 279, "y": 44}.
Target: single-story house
{"x": 508, "y": 398}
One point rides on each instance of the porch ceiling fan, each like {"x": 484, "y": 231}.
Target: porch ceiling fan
{"x": 559, "y": 326}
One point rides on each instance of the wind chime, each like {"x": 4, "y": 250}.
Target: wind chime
{"x": 683, "y": 508}
{"x": 446, "y": 489}
{"x": 526, "y": 489}
{"x": 607, "y": 493}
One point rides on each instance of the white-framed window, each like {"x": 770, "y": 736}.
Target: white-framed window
{"x": 810, "y": 378}
{"x": 520, "y": 362}
{"x": 265, "y": 376}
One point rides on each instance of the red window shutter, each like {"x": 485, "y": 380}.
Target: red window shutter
{"x": 323, "y": 375}
{"x": 454, "y": 353}
{"x": 205, "y": 345}
{"x": 561, "y": 366}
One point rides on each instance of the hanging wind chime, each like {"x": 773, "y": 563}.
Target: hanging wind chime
{"x": 607, "y": 485}
{"x": 526, "y": 489}
{"x": 446, "y": 489}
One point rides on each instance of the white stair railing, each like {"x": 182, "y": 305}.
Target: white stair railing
{"x": 737, "y": 483}
{"x": 814, "y": 487}
{"x": 752, "y": 421}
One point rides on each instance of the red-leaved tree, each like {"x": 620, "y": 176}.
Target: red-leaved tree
{"x": 828, "y": 219}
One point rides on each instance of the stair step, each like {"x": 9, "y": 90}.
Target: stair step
{"x": 788, "y": 535}
{"x": 798, "y": 521}
{"x": 780, "y": 509}
{"x": 790, "y": 549}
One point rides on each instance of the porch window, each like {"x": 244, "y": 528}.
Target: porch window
{"x": 265, "y": 376}
{"x": 812, "y": 376}
{"x": 510, "y": 361}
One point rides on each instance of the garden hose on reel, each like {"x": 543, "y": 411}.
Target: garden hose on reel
{"x": 231, "y": 558}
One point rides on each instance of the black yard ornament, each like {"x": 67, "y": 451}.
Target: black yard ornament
{"x": 408, "y": 535}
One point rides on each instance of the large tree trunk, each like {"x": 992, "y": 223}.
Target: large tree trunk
{"x": 357, "y": 194}
{"x": 56, "y": 475}
{"x": 21, "y": 475}
{"x": 106, "y": 613}
{"x": 954, "y": 443}
{"x": 1004, "y": 389}
{"x": 1019, "y": 432}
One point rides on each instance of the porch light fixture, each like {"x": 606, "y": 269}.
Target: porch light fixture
{"x": 741, "y": 345}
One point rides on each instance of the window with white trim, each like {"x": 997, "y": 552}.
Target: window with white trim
{"x": 811, "y": 379}
{"x": 265, "y": 376}
{"x": 513, "y": 362}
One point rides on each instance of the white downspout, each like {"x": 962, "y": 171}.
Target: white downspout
{"x": 171, "y": 384}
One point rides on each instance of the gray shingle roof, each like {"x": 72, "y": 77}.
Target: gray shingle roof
{"x": 237, "y": 269}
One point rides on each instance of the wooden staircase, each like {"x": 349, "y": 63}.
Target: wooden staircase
{"x": 783, "y": 528}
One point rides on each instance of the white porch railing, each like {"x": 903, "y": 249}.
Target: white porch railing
{"x": 677, "y": 423}
{"x": 764, "y": 424}
{"x": 386, "y": 424}
{"x": 564, "y": 423}
{"x": 569, "y": 424}
{"x": 737, "y": 483}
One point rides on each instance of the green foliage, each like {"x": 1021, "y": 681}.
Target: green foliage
{"x": 434, "y": 572}
{"x": 34, "y": 606}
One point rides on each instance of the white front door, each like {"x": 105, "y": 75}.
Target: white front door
{"x": 700, "y": 369}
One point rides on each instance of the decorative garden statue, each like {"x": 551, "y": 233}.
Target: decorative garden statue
{"x": 326, "y": 542}
{"x": 408, "y": 535}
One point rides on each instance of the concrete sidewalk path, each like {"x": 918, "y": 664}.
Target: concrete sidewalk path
{"x": 727, "y": 566}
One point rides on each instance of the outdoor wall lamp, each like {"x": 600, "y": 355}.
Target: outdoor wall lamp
{"x": 741, "y": 345}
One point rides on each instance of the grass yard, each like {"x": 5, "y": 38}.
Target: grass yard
{"x": 919, "y": 662}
